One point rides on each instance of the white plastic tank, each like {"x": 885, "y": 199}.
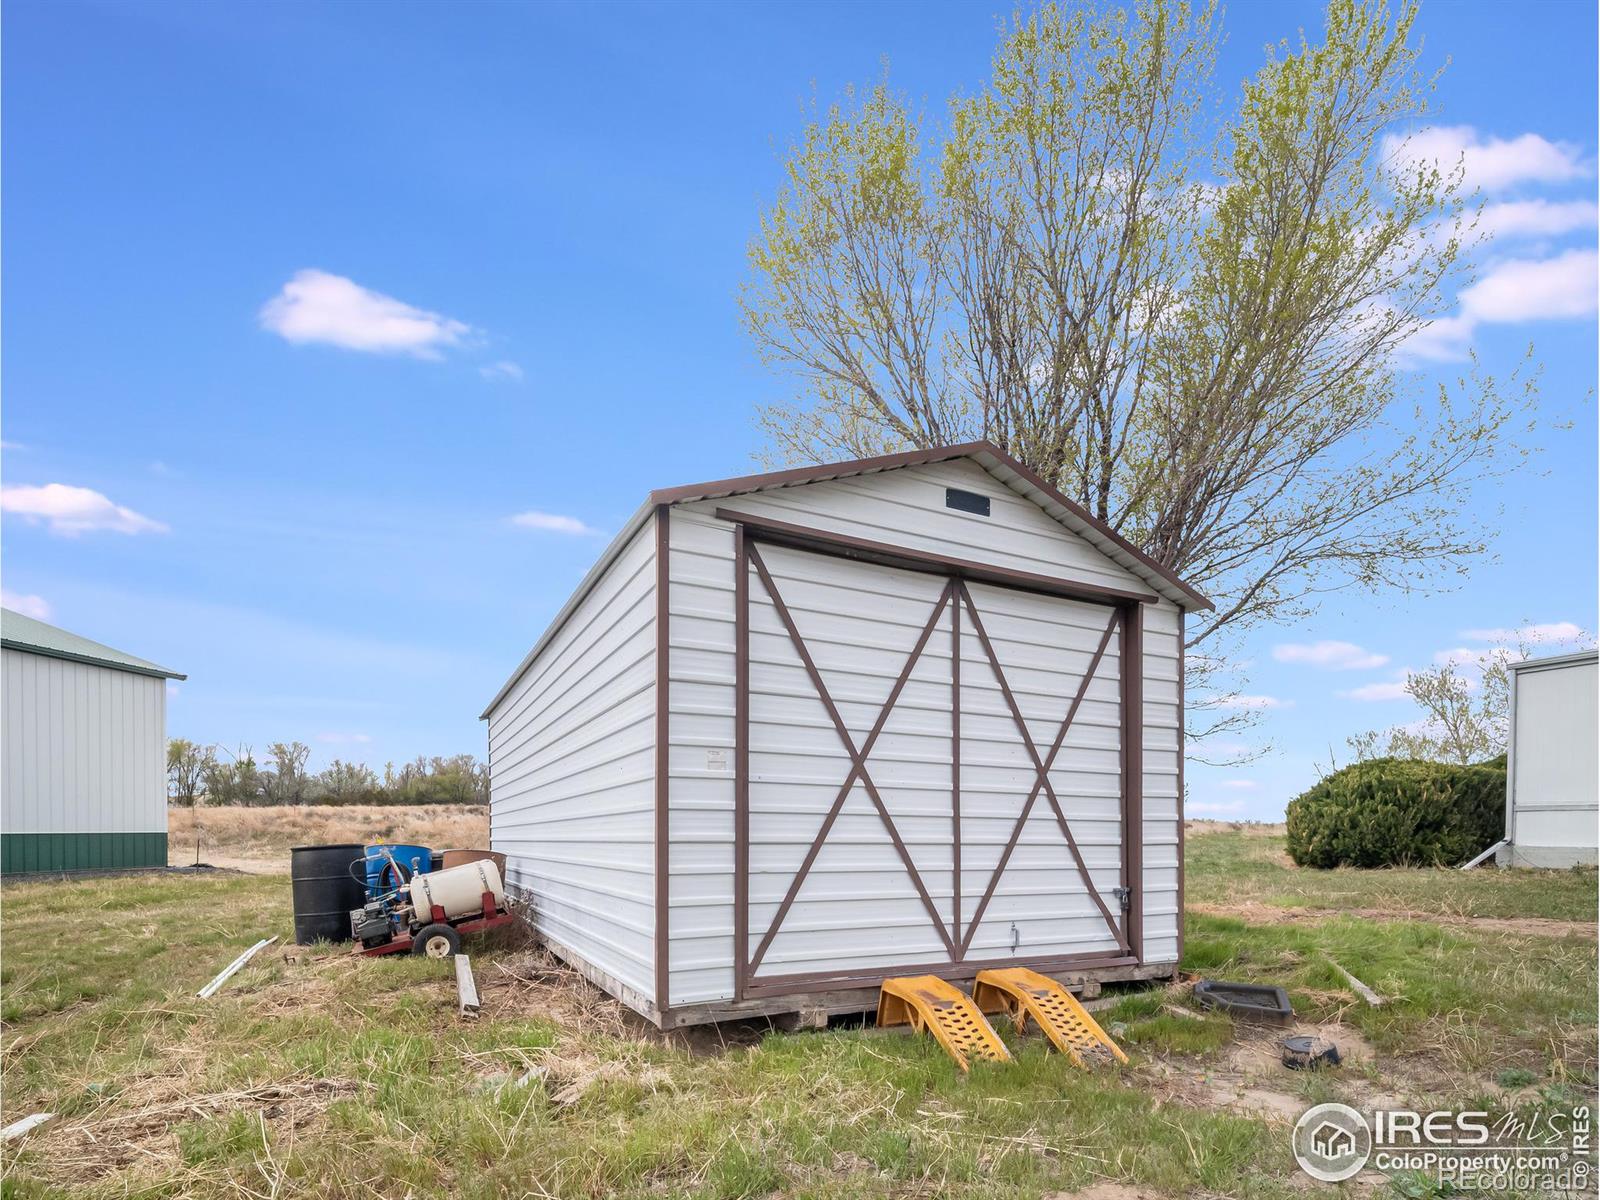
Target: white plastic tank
{"x": 458, "y": 890}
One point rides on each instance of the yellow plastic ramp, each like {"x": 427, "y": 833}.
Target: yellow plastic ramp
{"x": 1024, "y": 993}
{"x": 930, "y": 1005}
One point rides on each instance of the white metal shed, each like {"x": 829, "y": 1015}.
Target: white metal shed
{"x": 799, "y": 731}
{"x": 85, "y": 762}
{"x": 1553, "y": 762}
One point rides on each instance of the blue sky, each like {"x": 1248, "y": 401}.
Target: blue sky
{"x": 559, "y": 197}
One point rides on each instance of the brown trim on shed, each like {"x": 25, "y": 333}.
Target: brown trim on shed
{"x": 1133, "y": 776}
{"x": 955, "y": 773}
{"x": 813, "y": 474}
{"x": 806, "y": 537}
{"x": 719, "y": 488}
{"x": 663, "y": 813}
{"x": 1124, "y": 615}
{"x": 826, "y": 981}
{"x": 1183, "y": 798}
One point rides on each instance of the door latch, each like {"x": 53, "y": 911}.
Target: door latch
{"x": 1124, "y": 897}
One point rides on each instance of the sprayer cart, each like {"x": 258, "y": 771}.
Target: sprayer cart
{"x": 428, "y": 915}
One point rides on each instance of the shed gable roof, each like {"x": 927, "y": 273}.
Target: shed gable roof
{"x": 1005, "y": 469}
{"x": 18, "y": 632}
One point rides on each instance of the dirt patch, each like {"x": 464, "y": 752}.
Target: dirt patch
{"x": 1269, "y": 914}
{"x": 1249, "y": 1075}
{"x": 1106, "y": 1191}
{"x": 278, "y": 865}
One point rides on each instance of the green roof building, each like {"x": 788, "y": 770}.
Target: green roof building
{"x": 83, "y": 773}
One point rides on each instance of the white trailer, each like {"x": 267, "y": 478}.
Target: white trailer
{"x": 799, "y": 731}
{"x": 1552, "y": 765}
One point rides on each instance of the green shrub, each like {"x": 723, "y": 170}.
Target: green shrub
{"x": 1392, "y": 812}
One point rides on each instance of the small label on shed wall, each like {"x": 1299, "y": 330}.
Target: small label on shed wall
{"x": 716, "y": 760}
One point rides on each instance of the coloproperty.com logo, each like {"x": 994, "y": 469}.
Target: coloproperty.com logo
{"x": 1547, "y": 1150}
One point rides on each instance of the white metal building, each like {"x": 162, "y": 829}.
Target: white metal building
{"x": 799, "y": 731}
{"x": 1553, "y": 762}
{"x": 85, "y": 752}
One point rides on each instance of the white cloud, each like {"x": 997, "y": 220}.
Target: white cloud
{"x": 1243, "y": 701}
{"x": 1490, "y": 163}
{"x": 1370, "y": 693}
{"x": 1444, "y": 339}
{"x": 1331, "y": 656}
{"x": 1213, "y": 808}
{"x": 344, "y": 739}
{"x": 27, "y": 604}
{"x": 552, "y": 523}
{"x": 1537, "y": 218}
{"x": 1551, "y": 631}
{"x": 1240, "y": 785}
{"x": 315, "y": 306}
{"x": 69, "y": 511}
{"x": 1535, "y": 289}
{"x": 1512, "y": 291}
{"x": 504, "y": 369}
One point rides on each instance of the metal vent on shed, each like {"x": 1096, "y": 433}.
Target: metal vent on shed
{"x": 969, "y": 502}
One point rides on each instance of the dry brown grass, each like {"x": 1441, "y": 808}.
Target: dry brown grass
{"x": 260, "y": 838}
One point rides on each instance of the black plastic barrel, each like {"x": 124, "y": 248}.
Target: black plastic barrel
{"x": 325, "y": 890}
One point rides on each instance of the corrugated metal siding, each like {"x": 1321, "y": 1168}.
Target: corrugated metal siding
{"x": 1163, "y": 741}
{"x": 572, "y": 778}
{"x": 25, "y": 853}
{"x": 700, "y": 757}
{"x": 904, "y": 507}
{"x": 85, "y": 748}
{"x": 1555, "y": 786}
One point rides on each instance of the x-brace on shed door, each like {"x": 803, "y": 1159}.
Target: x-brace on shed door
{"x": 930, "y": 770}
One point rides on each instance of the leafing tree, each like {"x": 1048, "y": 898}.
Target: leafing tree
{"x": 235, "y": 781}
{"x": 1464, "y": 719}
{"x": 1461, "y": 723}
{"x": 187, "y": 767}
{"x": 348, "y": 783}
{"x": 1192, "y": 326}
{"x": 288, "y": 781}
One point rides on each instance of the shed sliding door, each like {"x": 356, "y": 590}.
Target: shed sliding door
{"x": 930, "y": 774}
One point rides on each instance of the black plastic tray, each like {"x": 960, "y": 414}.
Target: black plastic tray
{"x": 1253, "y": 1000}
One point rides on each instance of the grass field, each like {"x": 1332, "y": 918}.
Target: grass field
{"x": 259, "y": 839}
{"x": 314, "y": 1075}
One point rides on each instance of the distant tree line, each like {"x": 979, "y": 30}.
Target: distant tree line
{"x": 199, "y": 774}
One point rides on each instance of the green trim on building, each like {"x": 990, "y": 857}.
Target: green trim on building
{"x": 32, "y": 853}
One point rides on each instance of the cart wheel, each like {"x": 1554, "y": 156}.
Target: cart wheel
{"x": 436, "y": 941}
